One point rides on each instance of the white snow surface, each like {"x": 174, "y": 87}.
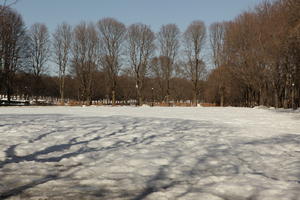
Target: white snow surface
{"x": 149, "y": 153}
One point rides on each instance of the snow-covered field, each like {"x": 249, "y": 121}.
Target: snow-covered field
{"x": 149, "y": 153}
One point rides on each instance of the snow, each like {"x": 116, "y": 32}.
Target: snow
{"x": 149, "y": 153}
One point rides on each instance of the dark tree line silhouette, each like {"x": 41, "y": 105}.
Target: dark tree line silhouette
{"x": 255, "y": 58}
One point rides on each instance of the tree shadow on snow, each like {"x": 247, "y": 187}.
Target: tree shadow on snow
{"x": 222, "y": 152}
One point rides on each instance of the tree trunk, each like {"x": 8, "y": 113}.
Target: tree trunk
{"x": 140, "y": 100}
{"x": 194, "y": 102}
{"x": 195, "y": 95}
{"x": 8, "y": 79}
{"x": 222, "y": 92}
{"x": 276, "y": 98}
{"x": 222, "y": 100}
{"x": 88, "y": 100}
{"x": 168, "y": 93}
{"x": 261, "y": 97}
{"x": 285, "y": 101}
{"x": 138, "y": 91}
{"x": 8, "y": 93}
{"x": 113, "y": 96}
{"x": 37, "y": 88}
{"x": 62, "y": 87}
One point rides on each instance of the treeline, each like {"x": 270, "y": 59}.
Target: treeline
{"x": 255, "y": 57}
{"x": 103, "y": 60}
{"x": 180, "y": 90}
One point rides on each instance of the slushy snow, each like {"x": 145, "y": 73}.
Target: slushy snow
{"x": 149, "y": 153}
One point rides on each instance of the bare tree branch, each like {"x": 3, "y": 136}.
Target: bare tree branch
{"x": 140, "y": 47}
{"x": 168, "y": 38}
{"x": 112, "y": 36}
{"x": 85, "y": 50}
{"x": 12, "y": 48}
{"x": 194, "y": 39}
{"x": 39, "y": 53}
{"x": 62, "y": 39}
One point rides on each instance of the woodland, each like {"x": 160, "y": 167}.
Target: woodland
{"x": 250, "y": 61}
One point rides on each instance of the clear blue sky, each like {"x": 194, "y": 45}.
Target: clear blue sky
{"x": 151, "y": 12}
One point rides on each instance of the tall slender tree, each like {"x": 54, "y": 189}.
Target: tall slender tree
{"x": 216, "y": 38}
{"x": 161, "y": 74}
{"x": 12, "y": 48}
{"x": 140, "y": 48}
{"x": 168, "y": 38}
{"x": 62, "y": 38}
{"x": 39, "y": 54}
{"x": 85, "y": 51}
{"x": 194, "y": 39}
{"x": 112, "y": 36}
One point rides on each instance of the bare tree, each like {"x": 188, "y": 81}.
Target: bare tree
{"x": 12, "y": 48}
{"x": 260, "y": 55}
{"x": 140, "y": 47}
{"x": 194, "y": 39}
{"x": 161, "y": 74}
{"x": 168, "y": 38}
{"x": 216, "y": 38}
{"x": 39, "y": 53}
{"x": 62, "y": 38}
{"x": 6, "y": 4}
{"x": 112, "y": 35}
{"x": 85, "y": 50}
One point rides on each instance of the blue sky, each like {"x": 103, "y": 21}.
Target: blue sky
{"x": 151, "y": 12}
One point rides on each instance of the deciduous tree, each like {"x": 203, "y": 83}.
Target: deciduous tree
{"x": 168, "y": 39}
{"x": 85, "y": 52}
{"x": 194, "y": 67}
{"x": 39, "y": 54}
{"x": 140, "y": 49}
{"x": 62, "y": 38}
{"x": 13, "y": 43}
{"x": 112, "y": 36}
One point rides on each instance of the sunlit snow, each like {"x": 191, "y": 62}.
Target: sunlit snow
{"x": 149, "y": 153}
